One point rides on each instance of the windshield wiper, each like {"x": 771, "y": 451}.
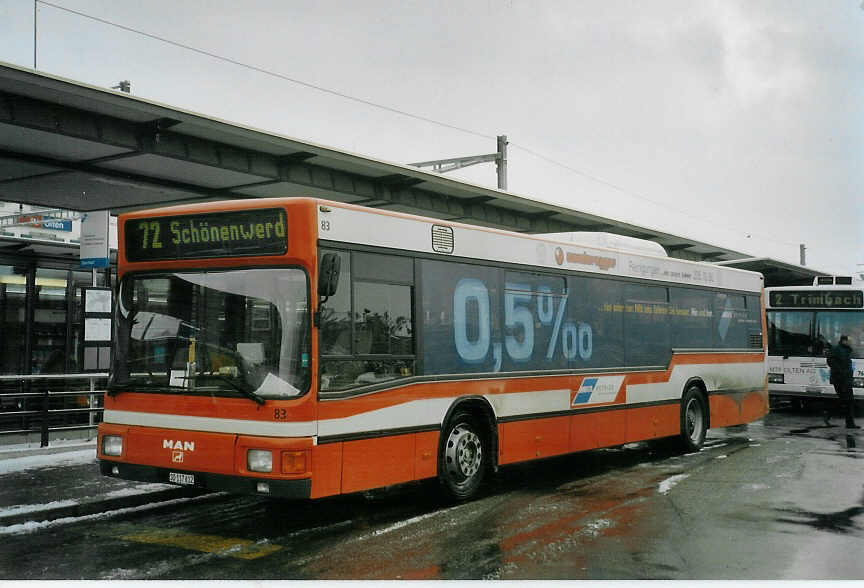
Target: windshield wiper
{"x": 244, "y": 391}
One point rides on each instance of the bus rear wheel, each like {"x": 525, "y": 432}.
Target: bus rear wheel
{"x": 464, "y": 456}
{"x": 694, "y": 419}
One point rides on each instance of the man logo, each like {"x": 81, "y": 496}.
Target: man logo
{"x": 182, "y": 445}
{"x": 177, "y": 448}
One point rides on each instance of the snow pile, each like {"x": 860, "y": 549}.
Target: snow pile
{"x": 37, "y": 446}
{"x": 667, "y": 484}
{"x": 25, "y": 508}
{"x": 31, "y": 526}
{"x": 138, "y": 489}
{"x": 19, "y": 464}
{"x": 594, "y": 528}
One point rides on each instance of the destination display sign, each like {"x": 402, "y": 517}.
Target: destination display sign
{"x": 238, "y": 233}
{"x": 817, "y": 299}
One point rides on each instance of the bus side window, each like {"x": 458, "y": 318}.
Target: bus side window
{"x": 367, "y": 333}
{"x": 732, "y": 324}
{"x": 691, "y": 316}
{"x": 646, "y": 326}
{"x": 382, "y": 315}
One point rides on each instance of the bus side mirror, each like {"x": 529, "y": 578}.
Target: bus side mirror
{"x": 129, "y": 299}
{"x": 328, "y": 275}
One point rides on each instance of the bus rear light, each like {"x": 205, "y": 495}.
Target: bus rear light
{"x": 293, "y": 462}
{"x": 775, "y": 378}
{"x": 112, "y": 445}
{"x": 259, "y": 460}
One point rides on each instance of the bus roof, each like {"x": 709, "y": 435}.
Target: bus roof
{"x": 401, "y": 231}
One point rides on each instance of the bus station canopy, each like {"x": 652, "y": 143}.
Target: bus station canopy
{"x": 776, "y": 273}
{"x": 64, "y": 144}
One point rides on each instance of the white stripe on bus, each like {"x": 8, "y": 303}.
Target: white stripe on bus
{"x": 431, "y": 411}
{"x": 721, "y": 376}
{"x": 210, "y": 424}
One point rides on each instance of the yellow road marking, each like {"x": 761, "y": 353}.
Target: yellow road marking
{"x": 239, "y": 548}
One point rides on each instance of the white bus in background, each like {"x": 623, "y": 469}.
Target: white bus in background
{"x": 803, "y": 323}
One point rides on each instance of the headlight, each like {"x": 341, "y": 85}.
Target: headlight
{"x": 112, "y": 445}
{"x": 259, "y": 460}
{"x": 858, "y": 382}
{"x": 775, "y": 378}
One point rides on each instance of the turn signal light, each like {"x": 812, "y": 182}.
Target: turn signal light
{"x": 294, "y": 462}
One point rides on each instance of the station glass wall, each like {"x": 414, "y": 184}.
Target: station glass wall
{"x": 40, "y": 333}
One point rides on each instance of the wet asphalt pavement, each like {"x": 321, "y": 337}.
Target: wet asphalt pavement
{"x": 778, "y": 499}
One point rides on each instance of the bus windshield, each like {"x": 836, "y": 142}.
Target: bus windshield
{"x": 831, "y": 325}
{"x": 808, "y": 333}
{"x": 224, "y": 333}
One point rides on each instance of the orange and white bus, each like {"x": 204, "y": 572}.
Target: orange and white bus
{"x": 302, "y": 348}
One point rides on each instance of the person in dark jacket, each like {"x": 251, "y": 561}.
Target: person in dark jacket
{"x": 840, "y": 362}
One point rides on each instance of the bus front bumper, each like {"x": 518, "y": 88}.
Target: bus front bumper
{"x": 295, "y": 489}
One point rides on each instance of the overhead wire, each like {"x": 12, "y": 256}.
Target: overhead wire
{"x": 632, "y": 194}
{"x": 385, "y": 108}
{"x": 266, "y": 71}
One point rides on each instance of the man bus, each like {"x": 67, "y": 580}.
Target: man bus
{"x": 303, "y": 348}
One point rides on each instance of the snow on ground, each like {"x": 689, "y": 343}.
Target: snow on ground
{"x": 25, "y": 508}
{"x": 29, "y": 462}
{"x": 139, "y": 489}
{"x": 24, "y": 447}
{"x": 667, "y": 484}
{"x": 37, "y": 508}
{"x": 31, "y": 526}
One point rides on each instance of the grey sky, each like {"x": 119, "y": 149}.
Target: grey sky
{"x": 716, "y": 120}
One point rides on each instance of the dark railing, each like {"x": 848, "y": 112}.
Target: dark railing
{"x": 41, "y": 404}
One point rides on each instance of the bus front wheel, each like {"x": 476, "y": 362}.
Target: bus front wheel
{"x": 694, "y": 419}
{"x": 464, "y": 456}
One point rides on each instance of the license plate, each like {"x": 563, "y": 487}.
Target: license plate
{"x": 178, "y": 478}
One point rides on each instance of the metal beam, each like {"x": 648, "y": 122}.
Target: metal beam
{"x": 72, "y": 166}
{"x": 299, "y": 156}
{"x": 66, "y": 120}
{"x": 453, "y": 163}
{"x": 399, "y": 180}
{"x": 712, "y": 255}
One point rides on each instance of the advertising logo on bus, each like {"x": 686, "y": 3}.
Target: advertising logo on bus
{"x": 598, "y": 390}
{"x": 584, "y": 258}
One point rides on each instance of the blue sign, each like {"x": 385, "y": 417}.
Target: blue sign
{"x": 58, "y": 225}
{"x": 94, "y": 262}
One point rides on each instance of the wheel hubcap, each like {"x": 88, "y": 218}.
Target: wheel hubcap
{"x": 694, "y": 419}
{"x": 464, "y": 453}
